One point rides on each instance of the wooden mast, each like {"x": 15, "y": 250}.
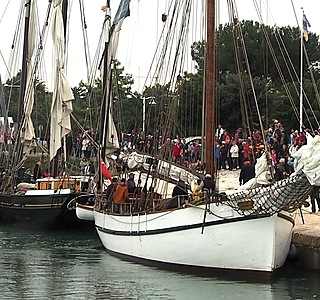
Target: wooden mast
{"x": 210, "y": 88}
{"x": 17, "y": 150}
{"x": 23, "y": 80}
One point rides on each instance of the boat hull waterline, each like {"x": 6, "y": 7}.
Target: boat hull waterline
{"x": 255, "y": 243}
{"x": 39, "y": 209}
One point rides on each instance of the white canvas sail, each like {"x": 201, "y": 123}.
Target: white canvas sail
{"x": 28, "y": 134}
{"x": 110, "y": 138}
{"x": 61, "y": 107}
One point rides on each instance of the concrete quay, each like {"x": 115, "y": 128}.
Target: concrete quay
{"x": 306, "y": 238}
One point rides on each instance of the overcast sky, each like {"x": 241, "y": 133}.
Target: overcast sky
{"x": 140, "y": 29}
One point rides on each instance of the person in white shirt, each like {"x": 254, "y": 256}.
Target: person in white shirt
{"x": 234, "y": 153}
{"x": 219, "y": 132}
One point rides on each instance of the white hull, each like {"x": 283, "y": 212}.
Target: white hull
{"x": 229, "y": 241}
{"x": 85, "y": 212}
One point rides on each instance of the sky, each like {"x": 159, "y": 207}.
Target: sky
{"x": 139, "y": 32}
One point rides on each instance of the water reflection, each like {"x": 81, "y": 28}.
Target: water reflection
{"x": 53, "y": 265}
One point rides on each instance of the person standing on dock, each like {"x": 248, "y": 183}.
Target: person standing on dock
{"x": 314, "y": 196}
{"x": 247, "y": 172}
{"x": 234, "y": 154}
{"x": 282, "y": 169}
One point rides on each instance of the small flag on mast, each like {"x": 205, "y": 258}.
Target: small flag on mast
{"x": 305, "y": 27}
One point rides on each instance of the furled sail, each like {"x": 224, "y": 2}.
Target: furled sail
{"x": 109, "y": 138}
{"x": 28, "y": 134}
{"x": 61, "y": 107}
{"x": 306, "y": 160}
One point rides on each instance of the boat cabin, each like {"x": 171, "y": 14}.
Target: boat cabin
{"x": 62, "y": 182}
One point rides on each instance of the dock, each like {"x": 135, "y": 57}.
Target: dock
{"x": 306, "y": 238}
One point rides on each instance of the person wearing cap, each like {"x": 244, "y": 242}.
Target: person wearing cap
{"x": 120, "y": 196}
{"x": 207, "y": 185}
{"x": 196, "y": 195}
{"x": 282, "y": 169}
{"x": 247, "y": 172}
{"x": 130, "y": 183}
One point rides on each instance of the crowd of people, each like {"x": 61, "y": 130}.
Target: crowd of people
{"x": 239, "y": 152}
{"x": 231, "y": 151}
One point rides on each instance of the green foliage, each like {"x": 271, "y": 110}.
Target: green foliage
{"x": 42, "y": 102}
{"x": 274, "y": 64}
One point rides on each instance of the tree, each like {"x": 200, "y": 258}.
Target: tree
{"x": 42, "y": 101}
{"x": 273, "y": 57}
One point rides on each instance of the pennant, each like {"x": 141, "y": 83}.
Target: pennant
{"x": 105, "y": 172}
{"x": 305, "y": 27}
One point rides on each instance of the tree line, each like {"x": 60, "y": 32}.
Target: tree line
{"x": 273, "y": 54}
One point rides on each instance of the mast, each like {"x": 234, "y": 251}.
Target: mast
{"x": 301, "y": 79}
{"x": 18, "y": 148}
{"x": 23, "y": 80}
{"x": 4, "y": 110}
{"x": 65, "y": 5}
{"x": 108, "y": 132}
{"x": 210, "y": 88}
{"x": 64, "y": 8}
{"x": 304, "y": 37}
{"x": 105, "y": 105}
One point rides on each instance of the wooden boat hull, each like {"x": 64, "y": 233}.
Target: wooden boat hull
{"x": 39, "y": 209}
{"x": 181, "y": 237}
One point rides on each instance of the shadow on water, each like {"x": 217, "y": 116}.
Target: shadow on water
{"x": 288, "y": 283}
{"x": 74, "y": 265}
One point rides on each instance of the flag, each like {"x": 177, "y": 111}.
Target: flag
{"x": 305, "y": 27}
{"x": 105, "y": 172}
{"x": 122, "y": 12}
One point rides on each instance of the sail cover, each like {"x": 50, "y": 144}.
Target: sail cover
{"x": 61, "y": 107}
{"x": 306, "y": 159}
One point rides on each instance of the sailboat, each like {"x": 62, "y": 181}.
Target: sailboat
{"x": 49, "y": 201}
{"x": 248, "y": 229}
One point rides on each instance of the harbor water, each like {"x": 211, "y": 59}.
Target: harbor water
{"x": 74, "y": 265}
